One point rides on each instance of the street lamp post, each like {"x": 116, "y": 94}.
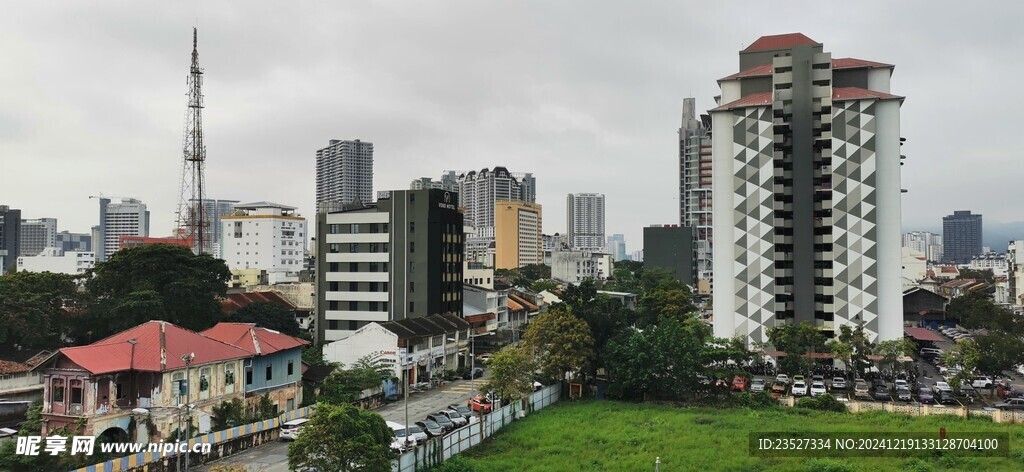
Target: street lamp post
{"x": 187, "y": 358}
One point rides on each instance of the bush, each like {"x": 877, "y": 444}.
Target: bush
{"x": 756, "y": 401}
{"x": 824, "y": 402}
{"x": 918, "y": 465}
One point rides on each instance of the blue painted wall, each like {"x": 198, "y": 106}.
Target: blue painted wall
{"x": 279, "y": 370}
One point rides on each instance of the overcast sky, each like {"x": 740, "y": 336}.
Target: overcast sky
{"x": 586, "y": 95}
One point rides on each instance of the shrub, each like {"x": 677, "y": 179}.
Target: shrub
{"x": 455, "y": 464}
{"x": 824, "y": 402}
{"x": 918, "y": 465}
{"x": 756, "y": 401}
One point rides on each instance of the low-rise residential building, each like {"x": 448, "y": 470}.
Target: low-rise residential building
{"x": 275, "y": 368}
{"x": 19, "y": 380}
{"x": 475, "y": 274}
{"x": 915, "y": 264}
{"x": 238, "y": 300}
{"x": 481, "y": 300}
{"x": 422, "y": 347}
{"x": 993, "y": 261}
{"x": 120, "y": 385}
{"x": 58, "y": 261}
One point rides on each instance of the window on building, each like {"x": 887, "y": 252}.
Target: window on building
{"x": 354, "y": 247}
{"x": 412, "y": 287}
{"x": 354, "y": 229}
{"x": 374, "y": 228}
{"x": 291, "y": 367}
{"x": 412, "y": 197}
{"x": 373, "y": 306}
{"x": 333, "y": 229}
{"x": 385, "y": 228}
{"x": 76, "y": 392}
{"x": 373, "y": 247}
{"x": 353, "y": 306}
{"x": 334, "y": 248}
{"x": 58, "y": 391}
{"x": 248, "y": 375}
{"x": 332, "y": 324}
{"x": 412, "y": 267}
{"x": 412, "y": 246}
{"x": 412, "y": 226}
{"x": 332, "y": 286}
{"x": 334, "y": 267}
{"x": 384, "y": 306}
{"x": 412, "y": 307}
{"x": 332, "y": 305}
{"x": 353, "y": 286}
{"x": 353, "y": 325}
{"x": 373, "y": 267}
{"x": 270, "y": 372}
{"x": 119, "y": 391}
{"x": 353, "y": 267}
{"x": 229, "y": 374}
{"x": 373, "y": 286}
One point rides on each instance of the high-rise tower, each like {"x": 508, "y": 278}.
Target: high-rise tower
{"x": 806, "y": 169}
{"x": 192, "y": 224}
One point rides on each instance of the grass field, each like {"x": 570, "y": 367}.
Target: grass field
{"x": 623, "y": 436}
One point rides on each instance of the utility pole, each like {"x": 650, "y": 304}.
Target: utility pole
{"x": 191, "y": 213}
{"x": 188, "y": 408}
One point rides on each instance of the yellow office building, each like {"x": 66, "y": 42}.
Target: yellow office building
{"x": 517, "y": 234}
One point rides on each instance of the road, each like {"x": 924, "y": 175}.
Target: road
{"x": 273, "y": 457}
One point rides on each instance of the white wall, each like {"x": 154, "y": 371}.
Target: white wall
{"x": 57, "y": 261}
{"x": 370, "y": 340}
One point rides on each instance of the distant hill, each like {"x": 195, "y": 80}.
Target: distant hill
{"x": 995, "y": 234}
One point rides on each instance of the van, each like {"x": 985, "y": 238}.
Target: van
{"x": 930, "y": 352}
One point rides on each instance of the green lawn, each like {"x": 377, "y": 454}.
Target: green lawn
{"x": 596, "y": 435}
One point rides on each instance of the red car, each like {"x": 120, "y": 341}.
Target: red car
{"x": 740, "y": 384}
{"x": 480, "y": 404}
{"x": 1005, "y": 391}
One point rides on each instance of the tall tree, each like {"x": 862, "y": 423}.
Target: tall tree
{"x": 560, "y": 342}
{"x": 796, "y": 340}
{"x": 966, "y": 355}
{"x": 342, "y": 438}
{"x": 511, "y": 374}
{"x": 267, "y": 315}
{"x": 607, "y": 318}
{"x": 660, "y": 362}
{"x": 893, "y": 349}
{"x": 852, "y": 347}
{"x": 37, "y": 309}
{"x": 665, "y": 300}
{"x": 152, "y": 282}
{"x": 344, "y": 386}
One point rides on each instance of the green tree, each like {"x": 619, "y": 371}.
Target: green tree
{"x": 660, "y": 362}
{"x": 344, "y": 386}
{"x": 542, "y": 285}
{"x": 977, "y": 310}
{"x": 267, "y": 315}
{"x": 313, "y": 354}
{"x": 966, "y": 355}
{"x": 155, "y": 282}
{"x": 852, "y": 347}
{"x": 607, "y": 318}
{"x": 342, "y": 438}
{"x": 796, "y": 340}
{"x": 511, "y": 374}
{"x": 665, "y": 300}
{"x": 577, "y": 296}
{"x": 561, "y": 343}
{"x": 36, "y": 309}
{"x": 893, "y": 349}
{"x": 998, "y": 352}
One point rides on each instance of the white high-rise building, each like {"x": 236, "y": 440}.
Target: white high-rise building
{"x": 929, "y": 244}
{"x": 478, "y": 194}
{"x": 344, "y": 172}
{"x": 585, "y": 221}
{"x": 617, "y": 247}
{"x": 128, "y": 217}
{"x": 806, "y": 170}
{"x": 267, "y": 236}
{"x": 36, "y": 235}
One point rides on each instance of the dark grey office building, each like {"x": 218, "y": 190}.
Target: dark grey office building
{"x": 670, "y": 247}
{"x": 10, "y": 238}
{"x": 76, "y": 242}
{"x": 961, "y": 237}
{"x": 398, "y": 258}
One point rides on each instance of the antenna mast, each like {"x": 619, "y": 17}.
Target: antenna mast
{"x": 191, "y": 218}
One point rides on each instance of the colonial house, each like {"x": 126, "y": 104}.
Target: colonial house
{"x": 19, "y": 381}
{"x": 124, "y": 385}
{"x": 275, "y": 366}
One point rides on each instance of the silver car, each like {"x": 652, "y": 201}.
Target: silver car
{"x": 757, "y": 385}
{"x": 456, "y": 417}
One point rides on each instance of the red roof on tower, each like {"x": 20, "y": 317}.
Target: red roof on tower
{"x": 779, "y": 41}
{"x": 752, "y": 100}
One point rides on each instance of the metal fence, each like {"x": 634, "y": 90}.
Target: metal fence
{"x": 438, "y": 450}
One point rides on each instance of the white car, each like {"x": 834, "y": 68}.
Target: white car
{"x": 818, "y": 388}
{"x": 942, "y": 387}
{"x": 416, "y": 434}
{"x": 799, "y": 389}
{"x": 291, "y": 429}
{"x": 782, "y": 378}
{"x": 757, "y": 385}
{"x": 838, "y": 382}
{"x": 982, "y": 382}
{"x": 900, "y": 383}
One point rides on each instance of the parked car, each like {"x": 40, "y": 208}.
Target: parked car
{"x": 291, "y": 429}
{"x": 778, "y": 388}
{"x": 462, "y": 409}
{"x": 930, "y": 352}
{"x": 456, "y": 417}
{"x": 740, "y": 384}
{"x": 880, "y": 392}
{"x": 946, "y": 397}
{"x": 942, "y": 387}
{"x": 925, "y": 396}
{"x": 479, "y": 404}
{"x": 799, "y": 389}
{"x": 782, "y": 378}
{"x": 838, "y": 383}
{"x": 799, "y": 378}
{"x": 818, "y": 388}
{"x": 903, "y": 394}
{"x": 817, "y": 378}
{"x": 982, "y": 382}
{"x": 757, "y": 385}
{"x": 476, "y": 373}
{"x": 1011, "y": 404}
{"x": 1005, "y": 391}
{"x": 416, "y": 435}
{"x": 442, "y": 420}
{"x": 537, "y": 386}
{"x": 485, "y": 357}
{"x": 431, "y": 428}
{"x": 861, "y": 389}
{"x": 900, "y": 383}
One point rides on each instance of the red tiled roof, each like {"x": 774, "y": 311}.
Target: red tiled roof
{"x": 11, "y": 367}
{"x": 480, "y": 318}
{"x": 752, "y": 100}
{"x": 756, "y": 71}
{"x": 524, "y": 302}
{"x": 158, "y": 348}
{"x": 779, "y": 41}
{"x": 237, "y": 301}
{"x": 922, "y": 334}
{"x": 256, "y": 340}
{"x": 513, "y": 305}
{"x": 855, "y": 93}
{"x": 765, "y": 70}
{"x": 854, "y": 63}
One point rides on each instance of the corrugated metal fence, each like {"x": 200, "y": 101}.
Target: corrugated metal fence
{"x": 438, "y": 450}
